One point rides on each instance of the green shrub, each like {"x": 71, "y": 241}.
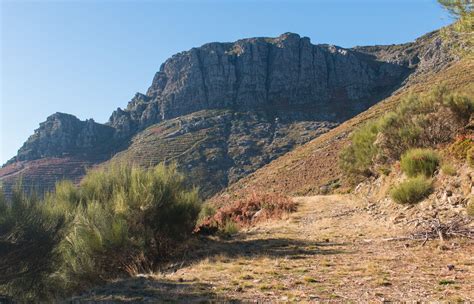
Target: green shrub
{"x": 126, "y": 211}
{"x": 461, "y": 104}
{"x": 448, "y": 169}
{"x": 118, "y": 216}
{"x": 358, "y": 157}
{"x": 28, "y": 237}
{"x": 420, "y": 161}
{"x": 412, "y": 190}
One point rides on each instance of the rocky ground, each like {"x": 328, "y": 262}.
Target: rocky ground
{"x": 331, "y": 249}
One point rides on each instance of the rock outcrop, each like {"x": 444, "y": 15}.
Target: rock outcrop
{"x": 259, "y": 73}
{"x": 64, "y": 134}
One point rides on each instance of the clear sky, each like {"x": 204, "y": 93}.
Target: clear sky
{"x": 89, "y": 57}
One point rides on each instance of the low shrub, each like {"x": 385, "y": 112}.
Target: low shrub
{"x": 448, "y": 169}
{"x": 412, "y": 190}
{"x": 420, "y": 161}
{"x": 357, "y": 158}
{"x": 247, "y": 211}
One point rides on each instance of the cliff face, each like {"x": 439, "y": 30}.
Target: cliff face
{"x": 258, "y": 73}
{"x": 276, "y": 94}
{"x": 63, "y": 134}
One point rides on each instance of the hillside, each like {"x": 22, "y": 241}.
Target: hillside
{"x": 313, "y": 168}
{"x": 232, "y": 107}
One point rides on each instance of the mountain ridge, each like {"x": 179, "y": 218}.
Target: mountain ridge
{"x": 286, "y": 75}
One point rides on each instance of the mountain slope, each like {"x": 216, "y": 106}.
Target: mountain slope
{"x": 313, "y": 167}
{"x": 224, "y": 110}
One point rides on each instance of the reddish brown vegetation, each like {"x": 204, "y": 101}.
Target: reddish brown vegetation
{"x": 247, "y": 211}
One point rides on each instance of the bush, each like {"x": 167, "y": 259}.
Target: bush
{"x": 357, "y": 158}
{"x": 28, "y": 237}
{"x": 460, "y": 104}
{"x": 118, "y": 216}
{"x": 448, "y": 169}
{"x": 412, "y": 190}
{"x": 420, "y": 161}
{"x": 124, "y": 212}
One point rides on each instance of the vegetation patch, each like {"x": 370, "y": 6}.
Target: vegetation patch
{"x": 420, "y": 161}
{"x": 421, "y": 121}
{"x": 412, "y": 190}
{"x": 120, "y": 220}
{"x": 247, "y": 211}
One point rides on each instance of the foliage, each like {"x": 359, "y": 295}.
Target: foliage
{"x": 28, "y": 236}
{"x": 357, "y": 158}
{"x": 420, "y": 161}
{"x": 420, "y": 121}
{"x": 412, "y": 190}
{"x": 117, "y": 216}
{"x": 206, "y": 212}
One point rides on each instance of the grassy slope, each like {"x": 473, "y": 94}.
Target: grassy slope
{"x": 315, "y": 164}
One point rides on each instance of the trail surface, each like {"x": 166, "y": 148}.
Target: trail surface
{"x": 331, "y": 249}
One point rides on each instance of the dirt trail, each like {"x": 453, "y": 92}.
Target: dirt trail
{"x": 331, "y": 249}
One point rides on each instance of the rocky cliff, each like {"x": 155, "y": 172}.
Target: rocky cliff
{"x": 275, "y": 94}
{"x": 64, "y": 134}
{"x": 259, "y": 73}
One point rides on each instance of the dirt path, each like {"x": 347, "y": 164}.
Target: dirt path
{"x": 331, "y": 249}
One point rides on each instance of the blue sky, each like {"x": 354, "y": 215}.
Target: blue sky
{"x": 89, "y": 57}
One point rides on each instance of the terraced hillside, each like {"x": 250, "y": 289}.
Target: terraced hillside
{"x": 218, "y": 147}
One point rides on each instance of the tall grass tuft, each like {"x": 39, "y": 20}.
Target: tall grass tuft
{"x": 420, "y": 161}
{"x": 412, "y": 190}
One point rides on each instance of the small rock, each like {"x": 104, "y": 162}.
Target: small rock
{"x": 450, "y": 267}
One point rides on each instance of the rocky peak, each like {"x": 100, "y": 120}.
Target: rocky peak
{"x": 62, "y": 134}
{"x": 259, "y": 73}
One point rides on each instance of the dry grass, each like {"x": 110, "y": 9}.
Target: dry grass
{"x": 321, "y": 253}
